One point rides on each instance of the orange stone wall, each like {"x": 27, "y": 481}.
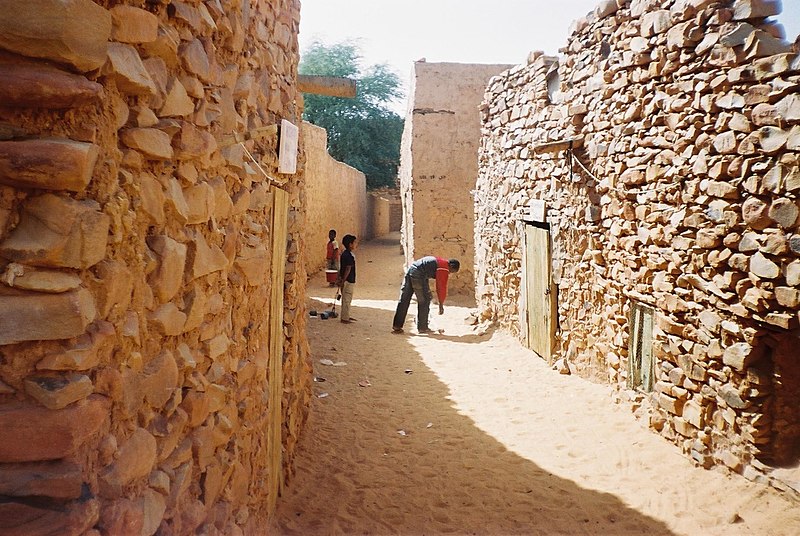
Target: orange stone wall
{"x": 135, "y": 255}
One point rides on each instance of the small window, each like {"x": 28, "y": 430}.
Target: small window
{"x": 641, "y": 368}
{"x": 553, "y": 84}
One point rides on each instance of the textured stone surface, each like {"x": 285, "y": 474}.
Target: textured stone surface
{"x": 74, "y": 32}
{"x": 126, "y": 68}
{"x": 59, "y": 480}
{"x": 59, "y": 391}
{"x": 39, "y": 280}
{"x": 167, "y": 278}
{"x": 58, "y": 232}
{"x": 133, "y": 25}
{"x": 34, "y": 433}
{"x": 34, "y": 316}
{"x": 17, "y": 519}
{"x": 153, "y": 143}
{"x": 53, "y": 164}
{"x": 135, "y": 459}
{"x": 133, "y": 271}
{"x": 35, "y": 85}
{"x": 671, "y": 128}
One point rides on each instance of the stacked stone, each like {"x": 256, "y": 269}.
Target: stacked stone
{"x": 135, "y": 264}
{"x": 689, "y": 119}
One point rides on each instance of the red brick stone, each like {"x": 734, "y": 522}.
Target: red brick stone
{"x": 22, "y": 520}
{"x": 33, "y": 433}
{"x": 60, "y": 480}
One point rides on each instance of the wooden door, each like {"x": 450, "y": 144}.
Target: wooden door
{"x": 641, "y": 366}
{"x": 280, "y": 211}
{"x": 539, "y": 292}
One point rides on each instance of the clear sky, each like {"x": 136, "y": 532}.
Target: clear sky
{"x": 399, "y": 32}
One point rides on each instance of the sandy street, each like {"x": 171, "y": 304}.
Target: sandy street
{"x": 462, "y": 433}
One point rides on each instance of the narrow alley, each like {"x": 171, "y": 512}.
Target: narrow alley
{"x": 470, "y": 433}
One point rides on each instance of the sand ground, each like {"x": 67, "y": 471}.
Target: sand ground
{"x": 462, "y": 433}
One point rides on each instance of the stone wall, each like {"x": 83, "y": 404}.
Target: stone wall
{"x": 135, "y": 254}
{"x": 336, "y": 197}
{"x": 680, "y": 194}
{"x": 438, "y": 163}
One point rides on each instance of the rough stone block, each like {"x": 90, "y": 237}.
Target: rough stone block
{"x": 133, "y": 25}
{"x": 200, "y": 200}
{"x": 114, "y": 288}
{"x": 34, "y": 433}
{"x": 159, "y": 379}
{"x": 167, "y": 278}
{"x": 195, "y": 60}
{"x": 39, "y": 280}
{"x": 204, "y": 259}
{"x": 33, "y": 85}
{"x": 136, "y": 457}
{"x": 58, "y": 232}
{"x": 35, "y": 317}
{"x": 59, "y": 392}
{"x": 74, "y": 32}
{"x": 72, "y": 519}
{"x": 59, "y": 480}
{"x": 177, "y": 102}
{"x": 122, "y": 517}
{"x": 47, "y": 164}
{"x": 191, "y": 142}
{"x": 168, "y": 320}
{"x": 152, "y": 143}
{"x": 254, "y": 263}
{"x": 125, "y": 67}
{"x": 755, "y": 9}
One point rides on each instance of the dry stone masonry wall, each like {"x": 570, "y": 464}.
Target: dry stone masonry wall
{"x": 135, "y": 254}
{"x": 680, "y": 194}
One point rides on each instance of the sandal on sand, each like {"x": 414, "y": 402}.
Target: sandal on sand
{"x": 426, "y": 330}
{"x": 397, "y": 330}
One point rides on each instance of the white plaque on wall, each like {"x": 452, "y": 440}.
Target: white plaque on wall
{"x": 287, "y": 151}
{"x": 536, "y": 210}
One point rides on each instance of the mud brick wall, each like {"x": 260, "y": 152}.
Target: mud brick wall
{"x": 439, "y": 163}
{"x": 681, "y": 194}
{"x": 135, "y": 236}
{"x": 336, "y": 198}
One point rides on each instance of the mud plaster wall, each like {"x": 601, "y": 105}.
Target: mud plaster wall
{"x": 135, "y": 253}
{"x": 381, "y": 209}
{"x": 688, "y": 119}
{"x": 439, "y": 163}
{"x": 336, "y": 198}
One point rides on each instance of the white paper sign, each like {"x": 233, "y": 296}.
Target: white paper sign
{"x": 287, "y": 152}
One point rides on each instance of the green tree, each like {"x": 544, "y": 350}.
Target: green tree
{"x": 362, "y": 131}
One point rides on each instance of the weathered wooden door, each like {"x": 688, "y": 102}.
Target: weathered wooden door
{"x": 641, "y": 367}
{"x": 539, "y": 292}
{"x": 280, "y": 211}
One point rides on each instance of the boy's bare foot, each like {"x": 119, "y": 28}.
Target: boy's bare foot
{"x": 346, "y": 321}
{"x": 397, "y": 330}
{"x": 425, "y": 330}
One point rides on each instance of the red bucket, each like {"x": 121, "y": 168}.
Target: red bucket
{"x": 330, "y": 276}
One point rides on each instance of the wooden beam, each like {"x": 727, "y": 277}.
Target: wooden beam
{"x": 331, "y": 86}
{"x": 560, "y": 145}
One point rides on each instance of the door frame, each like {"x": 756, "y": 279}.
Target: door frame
{"x": 538, "y": 317}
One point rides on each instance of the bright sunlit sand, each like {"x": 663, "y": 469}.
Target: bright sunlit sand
{"x": 464, "y": 433}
